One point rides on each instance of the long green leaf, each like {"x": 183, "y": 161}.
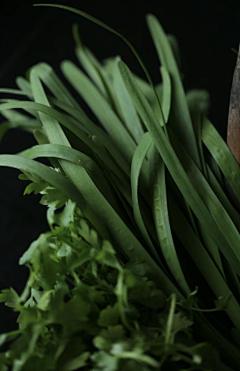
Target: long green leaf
{"x": 11, "y": 91}
{"x": 137, "y": 161}
{"x": 129, "y": 113}
{"x": 107, "y": 82}
{"x": 175, "y": 48}
{"x": 166, "y": 96}
{"x": 198, "y": 102}
{"x": 161, "y": 217}
{"x": 180, "y": 116}
{"x": 95, "y": 71}
{"x": 14, "y": 115}
{"x": 86, "y": 62}
{"x": 157, "y": 183}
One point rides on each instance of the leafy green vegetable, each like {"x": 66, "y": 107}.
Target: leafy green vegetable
{"x": 81, "y": 307}
{"x": 143, "y": 241}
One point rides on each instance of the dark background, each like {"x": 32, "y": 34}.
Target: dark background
{"x": 29, "y": 35}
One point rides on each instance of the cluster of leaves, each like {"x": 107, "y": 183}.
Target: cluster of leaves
{"x": 148, "y": 174}
{"x": 82, "y": 308}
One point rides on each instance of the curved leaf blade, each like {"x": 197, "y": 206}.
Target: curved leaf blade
{"x": 180, "y": 116}
{"x": 137, "y": 161}
{"x": 158, "y": 190}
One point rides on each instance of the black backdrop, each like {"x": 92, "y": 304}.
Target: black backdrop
{"x": 30, "y": 34}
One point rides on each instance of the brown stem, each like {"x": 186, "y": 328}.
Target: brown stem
{"x": 233, "y": 131}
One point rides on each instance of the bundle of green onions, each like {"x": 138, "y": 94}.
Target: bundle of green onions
{"x": 141, "y": 267}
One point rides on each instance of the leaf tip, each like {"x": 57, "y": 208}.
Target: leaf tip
{"x": 150, "y": 17}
